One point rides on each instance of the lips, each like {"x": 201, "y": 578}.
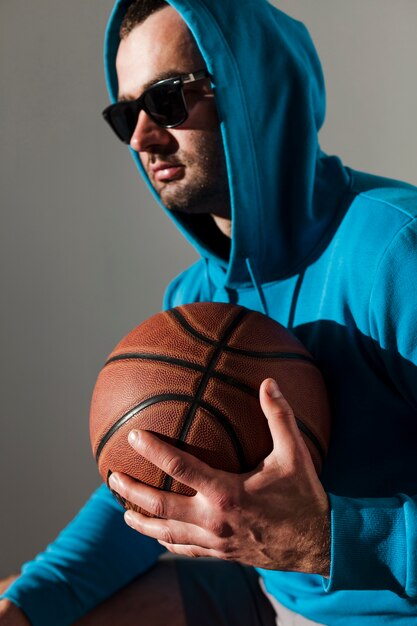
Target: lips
{"x": 165, "y": 172}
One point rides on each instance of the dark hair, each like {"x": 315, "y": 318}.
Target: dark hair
{"x": 138, "y": 12}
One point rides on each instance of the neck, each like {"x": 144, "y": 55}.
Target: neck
{"x": 224, "y": 225}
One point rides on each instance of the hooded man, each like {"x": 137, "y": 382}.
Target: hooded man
{"x": 221, "y": 103}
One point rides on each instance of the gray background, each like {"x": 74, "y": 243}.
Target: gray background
{"x": 86, "y": 253}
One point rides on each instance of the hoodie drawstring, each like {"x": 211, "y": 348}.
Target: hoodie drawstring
{"x": 227, "y": 294}
{"x": 208, "y": 282}
{"x": 258, "y": 287}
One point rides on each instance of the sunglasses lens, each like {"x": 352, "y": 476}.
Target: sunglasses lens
{"x": 123, "y": 118}
{"x": 165, "y": 104}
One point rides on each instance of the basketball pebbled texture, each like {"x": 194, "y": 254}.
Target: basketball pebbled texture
{"x": 192, "y": 375}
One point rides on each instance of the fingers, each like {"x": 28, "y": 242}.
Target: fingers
{"x": 182, "y": 466}
{"x": 163, "y": 504}
{"x": 288, "y": 443}
{"x": 169, "y": 532}
{"x": 190, "y": 551}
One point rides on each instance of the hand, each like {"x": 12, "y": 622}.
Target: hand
{"x": 11, "y": 615}
{"x": 274, "y": 517}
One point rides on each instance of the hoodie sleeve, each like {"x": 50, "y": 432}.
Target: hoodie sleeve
{"x": 374, "y": 540}
{"x": 93, "y": 557}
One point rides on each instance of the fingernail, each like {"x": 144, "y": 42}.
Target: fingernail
{"x": 129, "y": 518}
{"x": 272, "y": 389}
{"x": 114, "y": 482}
{"x": 133, "y": 437}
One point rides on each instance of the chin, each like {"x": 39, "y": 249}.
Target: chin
{"x": 185, "y": 201}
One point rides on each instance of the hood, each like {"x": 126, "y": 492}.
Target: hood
{"x": 270, "y": 95}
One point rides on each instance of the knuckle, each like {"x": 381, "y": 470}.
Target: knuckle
{"x": 287, "y": 413}
{"x": 283, "y": 411}
{"x": 221, "y": 545}
{"x": 228, "y": 550}
{"x": 225, "y": 501}
{"x": 228, "y": 500}
{"x": 128, "y": 493}
{"x": 166, "y": 535}
{"x": 157, "y": 506}
{"x": 221, "y": 529}
{"x": 227, "y": 555}
{"x": 192, "y": 552}
{"x": 176, "y": 467}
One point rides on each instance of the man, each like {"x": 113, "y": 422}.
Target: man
{"x": 221, "y": 104}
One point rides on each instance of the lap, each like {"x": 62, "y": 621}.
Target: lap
{"x": 192, "y": 592}
{"x": 187, "y": 592}
{"x": 222, "y": 593}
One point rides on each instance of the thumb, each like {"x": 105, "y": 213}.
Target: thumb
{"x": 285, "y": 434}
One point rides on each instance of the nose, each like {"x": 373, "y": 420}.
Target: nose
{"x": 148, "y": 135}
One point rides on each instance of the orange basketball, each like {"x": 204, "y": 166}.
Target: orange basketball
{"x": 192, "y": 375}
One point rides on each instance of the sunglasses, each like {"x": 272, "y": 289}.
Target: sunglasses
{"x": 164, "y": 102}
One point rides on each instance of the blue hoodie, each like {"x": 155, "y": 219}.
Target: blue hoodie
{"x": 330, "y": 253}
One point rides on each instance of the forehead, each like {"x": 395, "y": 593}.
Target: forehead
{"x": 161, "y": 44}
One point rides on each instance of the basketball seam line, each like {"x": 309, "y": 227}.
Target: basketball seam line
{"x": 204, "y": 381}
{"x": 271, "y": 355}
{"x": 293, "y": 356}
{"x": 192, "y": 331}
{"x": 215, "y": 413}
{"x": 251, "y": 353}
{"x": 134, "y": 411}
{"x": 229, "y": 380}
{"x": 147, "y": 356}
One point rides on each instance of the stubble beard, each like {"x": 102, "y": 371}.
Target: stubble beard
{"x": 205, "y": 187}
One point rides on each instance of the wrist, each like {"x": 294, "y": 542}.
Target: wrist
{"x": 324, "y": 535}
{"x": 317, "y": 546}
{"x": 323, "y": 562}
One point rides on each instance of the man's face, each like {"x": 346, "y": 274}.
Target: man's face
{"x": 186, "y": 165}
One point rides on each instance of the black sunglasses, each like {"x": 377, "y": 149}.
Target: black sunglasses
{"x": 164, "y": 102}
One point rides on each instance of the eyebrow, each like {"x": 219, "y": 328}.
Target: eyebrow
{"x": 155, "y": 79}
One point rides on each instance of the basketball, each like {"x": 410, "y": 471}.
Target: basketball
{"x": 191, "y": 375}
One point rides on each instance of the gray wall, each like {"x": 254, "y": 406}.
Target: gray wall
{"x": 85, "y": 253}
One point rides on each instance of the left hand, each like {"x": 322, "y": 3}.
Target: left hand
{"x": 274, "y": 517}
